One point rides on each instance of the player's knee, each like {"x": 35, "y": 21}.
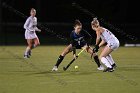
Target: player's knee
{"x": 63, "y": 54}
{"x": 100, "y": 57}
{"x": 87, "y": 50}
{"x": 30, "y": 45}
{"x": 37, "y": 44}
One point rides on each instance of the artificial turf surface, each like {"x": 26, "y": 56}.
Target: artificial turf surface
{"x": 19, "y": 75}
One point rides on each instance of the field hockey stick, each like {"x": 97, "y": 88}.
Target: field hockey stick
{"x": 65, "y": 68}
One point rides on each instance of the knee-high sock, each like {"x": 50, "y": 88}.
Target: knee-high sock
{"x": 96, "y": 59}
{"x": 110, "y": 59}
{"x": 105, "y": 62}
{"x": 27, "y": 50}
{"x": 60, "y": 59}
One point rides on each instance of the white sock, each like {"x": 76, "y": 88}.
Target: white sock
{"x": 110, "y": 59}
{"x": 27, "y": 50}
{"x": 105, "y": 62}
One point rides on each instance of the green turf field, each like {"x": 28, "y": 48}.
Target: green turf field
{"x": 18, "y": 75}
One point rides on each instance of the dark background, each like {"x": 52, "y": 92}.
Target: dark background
{"x": 59, "y": 15}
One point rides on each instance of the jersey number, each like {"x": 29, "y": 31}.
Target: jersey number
{"x": 109, "y": 32}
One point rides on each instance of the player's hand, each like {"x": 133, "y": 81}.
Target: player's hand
{"x": 75, "y": 57}
{"x": 38, "y": 30}
{"x": 96, "y": 48}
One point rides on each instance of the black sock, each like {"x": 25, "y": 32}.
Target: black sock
{"x": 113, "y": 65}
{"x": 60, "y": 59}
{"x": 96, "y": 59}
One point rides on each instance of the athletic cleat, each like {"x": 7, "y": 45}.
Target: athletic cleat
{"x": 100, "y": 68}
{"x": 108, "y": 70}
{"x": 26, "y": 56}
{"x": 114, "y": 66}
{"x": 55, "y": 68}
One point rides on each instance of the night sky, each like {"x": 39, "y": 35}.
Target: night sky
{"x": 123, "y": 14}
{"x": 116, "y": 11}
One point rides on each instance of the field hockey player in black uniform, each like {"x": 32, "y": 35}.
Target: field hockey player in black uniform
{"x": 80, "y": 39}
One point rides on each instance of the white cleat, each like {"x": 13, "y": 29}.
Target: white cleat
{"x": 55, "y": 68}
{"x": 101, "y": 68}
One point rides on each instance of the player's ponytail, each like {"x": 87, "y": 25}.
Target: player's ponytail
{"x": 77, "y": 23}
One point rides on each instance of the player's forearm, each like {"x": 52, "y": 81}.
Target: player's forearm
{"x": 36, "y": 29}
{"x": 98, "y": 37}
{"x": 26, "y": 27}
{"x": 31, "y": 30}
{"x": 97, "y": 41}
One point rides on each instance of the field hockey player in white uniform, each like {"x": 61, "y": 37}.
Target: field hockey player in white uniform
{"x": 112, "y": 44}
{"x": 30, "y": 27}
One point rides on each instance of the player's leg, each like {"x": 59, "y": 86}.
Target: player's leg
{"x": 95, "y": 56}
{"x": 29, "y": 42}
{"x": 112, "y": 62}
{"x": 105, "y": 52}
{"x": 109, "y": 57}
{"x": 35, "y": 43}
{"x": 63, "y": 54}
{"x": 61, "y": 57}
{"x": 113, "y": 46}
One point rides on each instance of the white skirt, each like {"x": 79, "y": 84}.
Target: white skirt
{"x": 113, "y": 44}
{"x": 30, "y": 35}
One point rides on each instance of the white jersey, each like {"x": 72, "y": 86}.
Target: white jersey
{"x": 110, "y": 38}
{"x": 30, "y": 26}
